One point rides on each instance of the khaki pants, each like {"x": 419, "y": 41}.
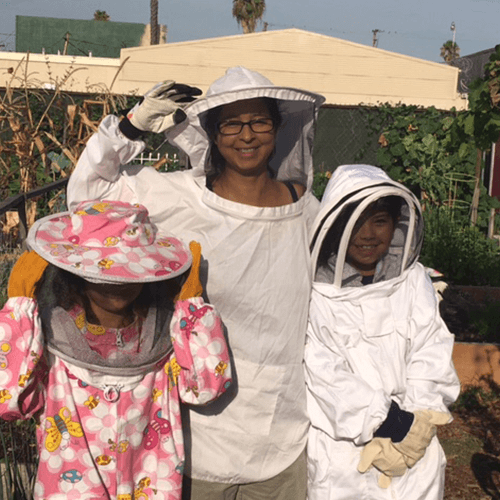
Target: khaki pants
{"x": 287, "y": 485}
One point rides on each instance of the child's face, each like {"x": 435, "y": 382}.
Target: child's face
{"x": 110, "y": 302}
{"x": 370, "y": 240}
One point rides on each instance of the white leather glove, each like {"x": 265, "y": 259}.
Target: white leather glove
{"x": 423, "y": 429}
{"x": 381, "y": 454}
{"x": 160, "y": 109}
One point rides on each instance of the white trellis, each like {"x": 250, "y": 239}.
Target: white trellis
{"x": 146, "y": 158}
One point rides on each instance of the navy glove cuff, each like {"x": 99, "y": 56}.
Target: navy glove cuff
{"x": 128, "y": 130}
{"x": 397, "y": 424}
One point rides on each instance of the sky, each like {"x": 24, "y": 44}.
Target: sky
{"x": 416, "y": 28}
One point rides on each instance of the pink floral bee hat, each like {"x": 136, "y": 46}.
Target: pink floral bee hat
{"x": 109, "y": 242}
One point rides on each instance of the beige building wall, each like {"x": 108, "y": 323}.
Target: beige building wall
{"x": 345, "y": 73}
{"x": 71, "y": 73}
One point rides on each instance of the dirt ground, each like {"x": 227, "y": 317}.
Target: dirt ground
{"x": 472, "y": 441}
{"x": 472, "y": 446}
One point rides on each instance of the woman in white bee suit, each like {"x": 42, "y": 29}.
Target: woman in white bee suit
{"x": 378, "y": 356}
{"x": 248, "y": 201}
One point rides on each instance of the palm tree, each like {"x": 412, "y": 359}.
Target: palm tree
{"x": 450, "y": 51}
{"x": 248, "y": 12}
{"x": 101, "y": 15}
{"x": 155, "y": 32}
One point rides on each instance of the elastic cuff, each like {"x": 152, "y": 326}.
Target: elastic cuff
{"x": 128, "y": 130}
{"x": 397, "y": 424}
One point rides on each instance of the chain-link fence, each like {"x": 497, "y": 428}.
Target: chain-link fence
{"x": 346, "y": 135}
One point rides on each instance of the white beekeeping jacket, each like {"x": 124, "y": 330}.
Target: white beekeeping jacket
{"x": 368, "y": 345}
{"x": 256, "y": 272}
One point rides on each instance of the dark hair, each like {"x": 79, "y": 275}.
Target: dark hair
{"x": 390, "y": 204}
{"x": 215, "y": 159}
{"x": 60, "y": 288}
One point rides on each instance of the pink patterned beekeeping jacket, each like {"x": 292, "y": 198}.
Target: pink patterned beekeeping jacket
{"x": 104, "y": 436}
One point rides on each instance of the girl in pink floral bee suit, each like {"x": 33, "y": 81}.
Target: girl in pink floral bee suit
{"x": 114, "y": 339}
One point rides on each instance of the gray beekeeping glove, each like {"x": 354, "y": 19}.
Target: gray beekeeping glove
{"x": 160, "y": 109}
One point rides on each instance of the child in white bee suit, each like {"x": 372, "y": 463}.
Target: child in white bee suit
{"x": 102, "y": 350}
{"x": 378, "y": 358}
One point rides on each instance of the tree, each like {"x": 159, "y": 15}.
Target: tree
{"x": 248, "y": 12}
{"x": 450, "y": 51}
{"x": 155, "y": 31}
{"x": 101, "y": 15}
{"x": 482, "y": 120}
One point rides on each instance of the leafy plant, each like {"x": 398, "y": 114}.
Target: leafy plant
{"x": 420, "y": 148}
{"x": 320, "y": 181}
{"x": 460, "y": 251}
{"x": 486, "y": 320}
{"x": 482, "y": 121}
{"x": 474, "y": 398}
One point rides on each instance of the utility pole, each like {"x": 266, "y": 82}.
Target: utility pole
{"x": 453, "y": 30}
{"x": 155, "y": 35}
{"x": 66, "y": 42}
{"x": 375, "y": 40}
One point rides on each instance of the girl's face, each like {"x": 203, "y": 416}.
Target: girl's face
{"x": 109, "y": 303}
{"x": 370, "y": 241}
{"x": 246, "y": 152}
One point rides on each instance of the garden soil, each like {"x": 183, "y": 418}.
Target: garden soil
{"x": 472, "y": 441}
{"x": 472, "y": 446}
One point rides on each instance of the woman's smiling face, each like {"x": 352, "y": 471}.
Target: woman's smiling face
{"x": 247, "y": 152}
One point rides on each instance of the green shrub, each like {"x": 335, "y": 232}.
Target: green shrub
{"x": 461, "y": 252}
{"x": 486, "y": 320}
{"x": 474, "y": 398}
{"x": 320, "y": 181}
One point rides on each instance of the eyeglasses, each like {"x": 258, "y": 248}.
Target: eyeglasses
{"x": 260, "y": 126}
